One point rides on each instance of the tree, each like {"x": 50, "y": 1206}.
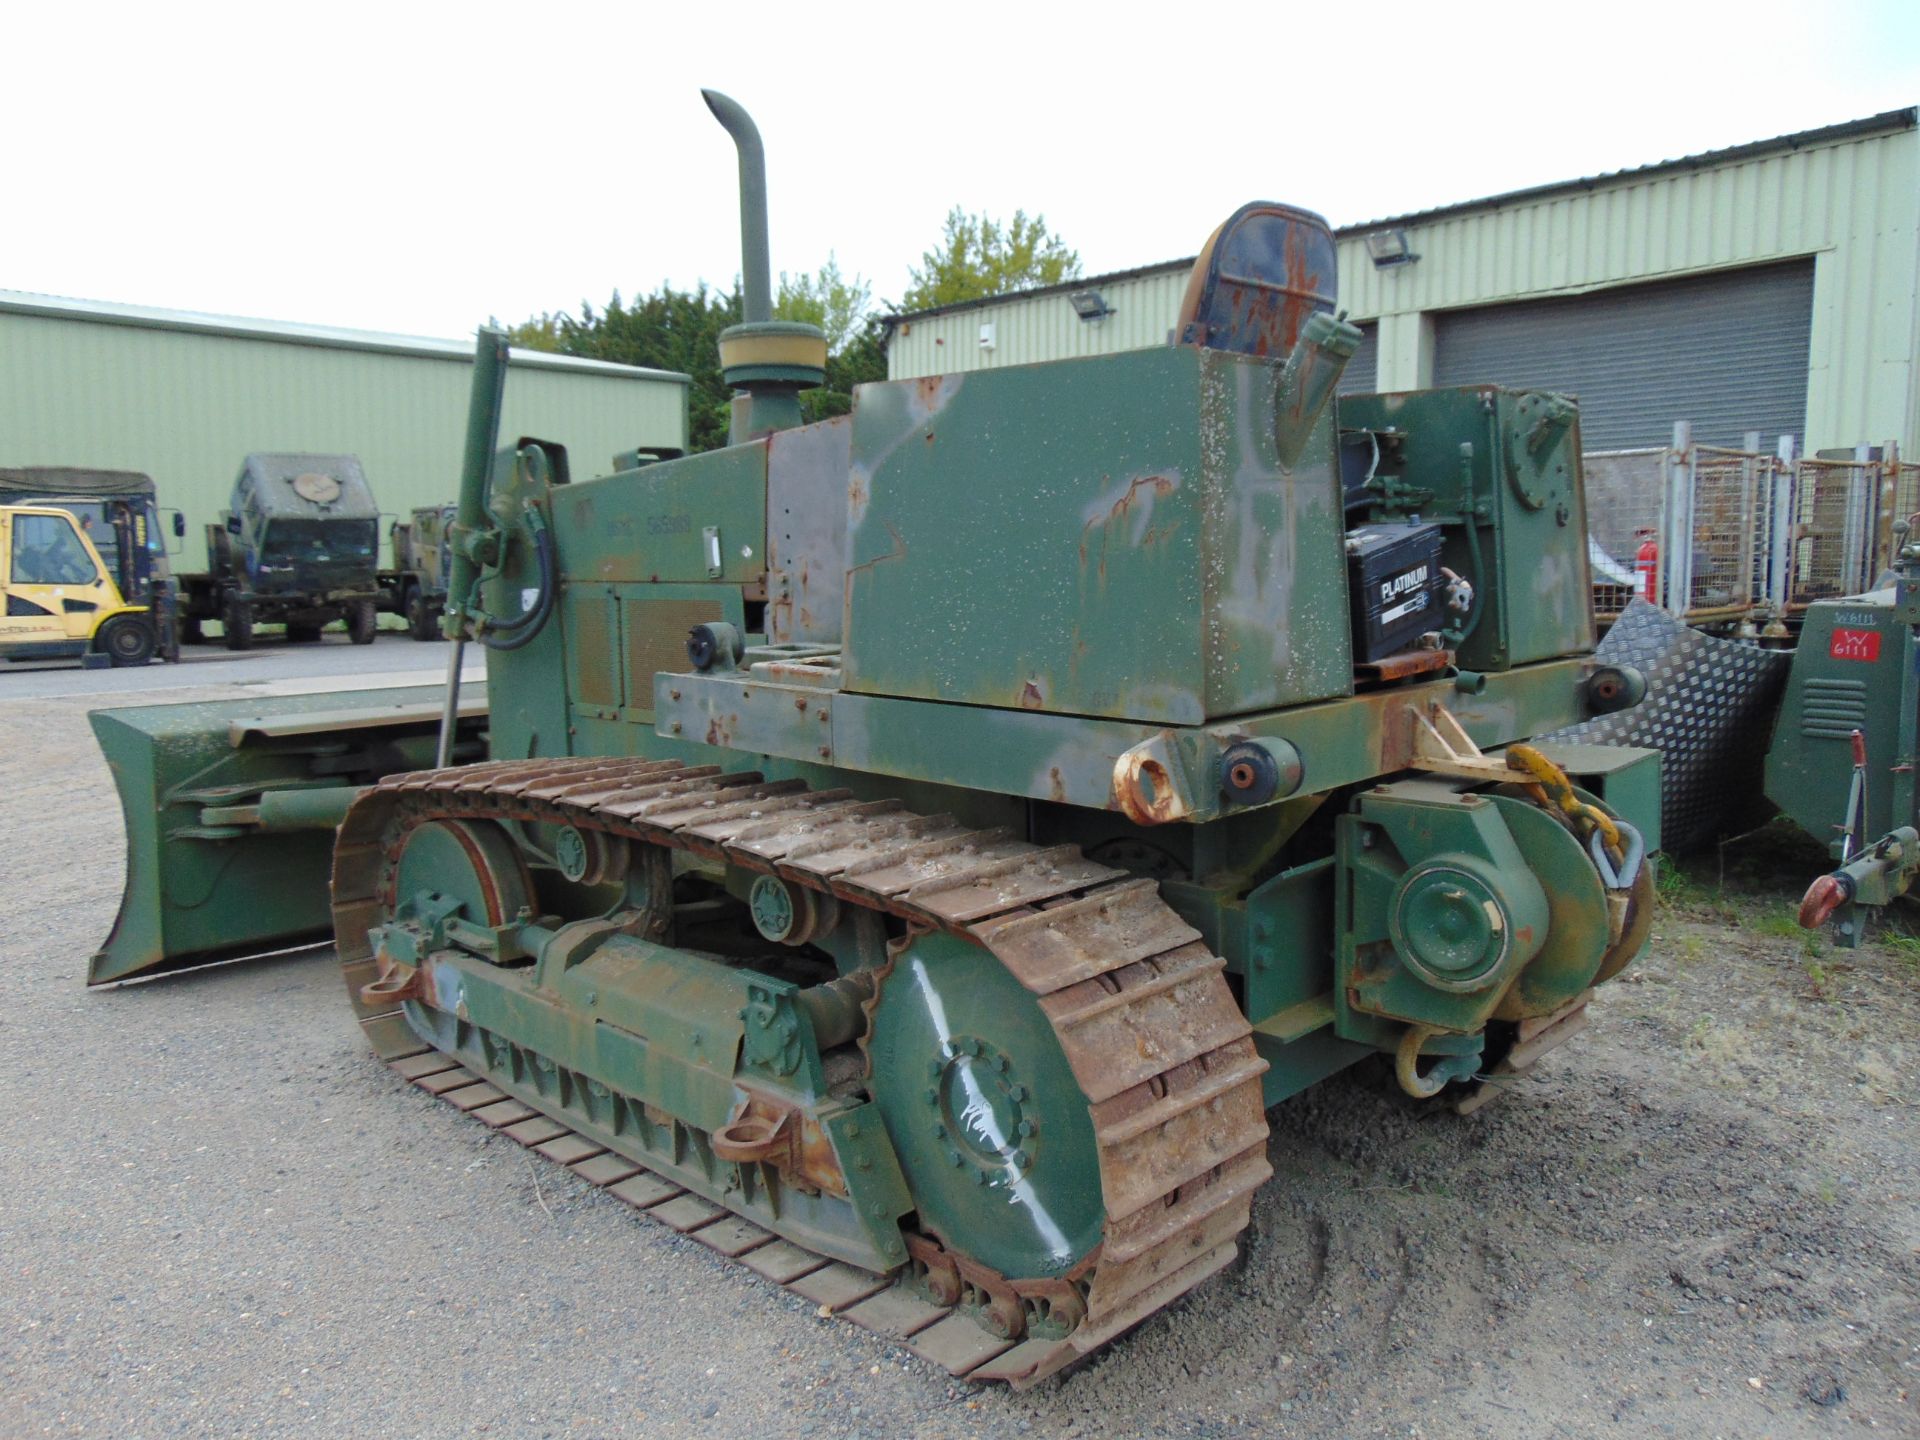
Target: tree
{"x": 826, "y": 298}
{"x": 669, "y": 330}
{"x": 978, "y": 257}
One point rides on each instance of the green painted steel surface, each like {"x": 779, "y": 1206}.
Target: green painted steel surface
{"x": 1442, "y": 907}
{"x": 630, "y": 1090}
{"x": 198, "y": 891}
{"x": 1854, "y": 669}
{"x": 700, "y": 518}
{"x": 1522, "y": 484}
{"x": 1070, "y": 760}
{"x": 991, "y": 1128}
{"x": 1455, "y": 907}
{"x": 1113, "y": 538}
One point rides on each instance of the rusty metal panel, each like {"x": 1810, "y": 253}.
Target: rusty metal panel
{"x": 740, "y": 713}
{"x": 1117, "y": 538}
{"x": 807, "y": 532}
{"x": 654, "y": 630}
{"x": 591, "y": 625}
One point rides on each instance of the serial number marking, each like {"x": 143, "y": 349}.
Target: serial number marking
{"x": 1854, "y": 645}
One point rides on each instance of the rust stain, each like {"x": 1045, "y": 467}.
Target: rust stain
{"x": 768, "y": 1129}
{"x": 1397, "y": 726}
{"x": 1154, "y": 487}
{"x": 1160, "y": 485}
{"x": 1144, "y": 792}
{"x": 1056, "y": 785}
{"x": 1031, "y": 698}
{"x": 899, "y": 552}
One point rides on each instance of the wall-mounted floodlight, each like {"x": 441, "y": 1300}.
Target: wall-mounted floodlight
{"x": 1089, "y": 304}
{"x": 1390, "y": 247}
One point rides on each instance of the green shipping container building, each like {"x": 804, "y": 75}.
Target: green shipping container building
{"x": 185, "y": 397}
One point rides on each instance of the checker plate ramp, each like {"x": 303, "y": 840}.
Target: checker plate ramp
{"x": 1707, "y": 701}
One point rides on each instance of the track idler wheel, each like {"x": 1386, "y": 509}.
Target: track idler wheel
{"x": 992, "y": 1129}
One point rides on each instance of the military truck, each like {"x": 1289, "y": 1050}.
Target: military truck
{"x": 298, "y": 546}
{"x": 416, "y": 587}
{"x": 117, "y": 511}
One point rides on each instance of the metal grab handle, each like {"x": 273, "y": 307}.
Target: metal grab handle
{"x": 1635, "y": 847}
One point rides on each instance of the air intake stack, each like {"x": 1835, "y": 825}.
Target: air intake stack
{"x": 767, "y": 362}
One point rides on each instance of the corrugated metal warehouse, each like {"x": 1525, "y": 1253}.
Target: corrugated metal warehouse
{"x": 185, "y": 397}
{"x": 1772, "y": 287}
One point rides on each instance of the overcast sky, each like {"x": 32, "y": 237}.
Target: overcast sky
{"x": 418, "y": 168}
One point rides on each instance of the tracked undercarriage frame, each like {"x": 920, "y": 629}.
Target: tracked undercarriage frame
{"x": 1150, "y": 1154}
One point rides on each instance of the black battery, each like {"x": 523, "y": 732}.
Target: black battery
{"x": 1394, "y": 577}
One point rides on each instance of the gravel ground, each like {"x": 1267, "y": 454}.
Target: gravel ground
{"x": 222, "y": 1217}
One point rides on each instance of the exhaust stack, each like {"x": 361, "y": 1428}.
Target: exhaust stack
{"x": 756, "y": 272}
{"x": 767, "y": 362}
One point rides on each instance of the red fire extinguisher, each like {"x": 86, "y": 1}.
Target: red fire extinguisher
{"x": 1646, "y": 566}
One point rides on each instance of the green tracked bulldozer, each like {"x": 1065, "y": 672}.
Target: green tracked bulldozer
{"x": 912, "y": 851}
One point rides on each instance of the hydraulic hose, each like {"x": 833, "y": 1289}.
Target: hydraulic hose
{"x": 513, "y": 634}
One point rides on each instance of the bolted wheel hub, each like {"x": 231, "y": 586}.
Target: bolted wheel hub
{"x": 1450, "y": 927}
{"x": 979, "y": 1106}
{"x": 570, "y": 849}
{"x": 790, "y": 914}
{"x": 990, "y": 1124}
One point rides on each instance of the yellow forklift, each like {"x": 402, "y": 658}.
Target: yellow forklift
{"x": 62, "y": 601}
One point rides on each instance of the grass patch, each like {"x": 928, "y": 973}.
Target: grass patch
{"x": 1781, "y": 923}
{"x": 1906, "y": 949}
{"x": 1676, "y": 889}
{"x": 1821, "y": 979}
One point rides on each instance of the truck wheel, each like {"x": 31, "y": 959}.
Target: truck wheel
{"x": 238, "y": 619}
{"x": 422, "y": 623}
{"x": 125, "y": 640}
{"x": 363, "y": 622}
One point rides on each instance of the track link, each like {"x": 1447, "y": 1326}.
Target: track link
{"x": 1138, "y": 1002}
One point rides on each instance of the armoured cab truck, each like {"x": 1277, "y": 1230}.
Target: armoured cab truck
{"x": 298, "y": 546}
{"x": 118, "y": 513}
{"x": 62, "y": 600}
{"x": 417, "y": 584}
{"x": 934, "y": 836}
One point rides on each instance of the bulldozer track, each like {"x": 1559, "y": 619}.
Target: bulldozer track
{"x": 1138, "y": 1002}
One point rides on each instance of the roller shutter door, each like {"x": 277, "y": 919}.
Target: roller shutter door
{"x": 1728, "y": 352}
{"x": 1359, "y": 376}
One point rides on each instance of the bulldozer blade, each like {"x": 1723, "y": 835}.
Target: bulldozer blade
{"x": 230, "y": 808}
